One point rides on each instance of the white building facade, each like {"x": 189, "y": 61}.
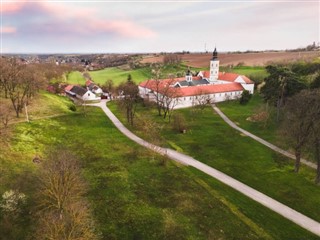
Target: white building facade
{"x": 207, "y": 87}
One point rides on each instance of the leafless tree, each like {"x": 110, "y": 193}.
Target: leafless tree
{"x": 62, "y": 211}
{"x": 302, "y": 111}
{"x": 172, "y": 59}
{"x": 129, "y": 99}
{"x": 202, "y": 99}
{"x": 169, "y": 98}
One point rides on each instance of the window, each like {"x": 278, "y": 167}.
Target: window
{"x": 216, "y": 65}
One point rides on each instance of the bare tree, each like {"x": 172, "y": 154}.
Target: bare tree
{"x": 202, "y": 99}
{"x": 129, "y": 99}
{"x": 169, "y": 98}
{"x": 10, "y": 71}
{"x": 172, "y": 59}
{"x": 301, "y": 113}
{"x": 63, "y": 212}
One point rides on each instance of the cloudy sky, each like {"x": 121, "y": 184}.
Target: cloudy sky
{"x": 153, "y": 26}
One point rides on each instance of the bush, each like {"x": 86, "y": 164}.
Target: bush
{"x": 72, "y": 108}
{"x": 245, "y": 97}
{"x": 179, "y": 123}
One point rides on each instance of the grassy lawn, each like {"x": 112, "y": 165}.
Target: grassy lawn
{"x": 213, "y": 142}
{"x": 118, "y": 75}
{"x": 241, "y": 114}
{"x": 136, "y": 194}
{"x": 75, "y": 78}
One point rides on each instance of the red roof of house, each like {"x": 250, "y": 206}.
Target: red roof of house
{"x": 209, "y": 89}
{"x": 206, "y": 74}
{"x": 246, "y": 79}
{"x": 166, "y": 87}
{"x": 68, "y": 88}
{"x": 88, "y": 82}
{"x": 230, "y": 77}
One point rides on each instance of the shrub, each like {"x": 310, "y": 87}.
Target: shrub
{"x": 245, "y": 97}
{"x": 72, "y": 108}
{"x": 179, "y": 123}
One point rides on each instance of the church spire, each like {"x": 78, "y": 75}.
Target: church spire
{"x": 215, "y": 54}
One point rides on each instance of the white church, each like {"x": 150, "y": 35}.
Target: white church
{"x": 209, "y": 86}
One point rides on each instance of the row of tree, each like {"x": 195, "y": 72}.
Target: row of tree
{"x": 20, "y": 82}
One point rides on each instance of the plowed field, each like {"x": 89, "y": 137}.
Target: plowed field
{"x": 248, "y": 59}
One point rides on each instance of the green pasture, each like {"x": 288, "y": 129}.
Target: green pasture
{"x": 118, "y": 75}
{"x": 134, "y": 193}
{"x": 75, "y": 77}
{"x": 210, "y": 140}
{"x": 243, "y": 116}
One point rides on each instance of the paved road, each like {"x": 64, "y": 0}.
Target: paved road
{"x": 263, "y": 199}
{"x": 260, "y": 140}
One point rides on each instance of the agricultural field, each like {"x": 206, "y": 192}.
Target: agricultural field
{"x": 133, "y": 192}
{"x": 212, "y": 141}
{"x": 248, "y": 59}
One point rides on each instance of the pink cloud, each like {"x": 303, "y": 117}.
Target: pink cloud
{"x": 57, "y": 19}
{"x": 4, "y": 29}
{"x": 12, "y": 7}
{"x": 125, "y": 28}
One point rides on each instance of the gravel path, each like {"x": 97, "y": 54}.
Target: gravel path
{"x": 260, "y": 140}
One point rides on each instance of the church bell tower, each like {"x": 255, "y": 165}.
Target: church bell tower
{"x": 214, "y": 67}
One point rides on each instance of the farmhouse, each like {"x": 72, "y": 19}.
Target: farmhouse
{"x": 80, "y": 93}
{"x": 207, "y": 87}
{"x": 93, "y": 87}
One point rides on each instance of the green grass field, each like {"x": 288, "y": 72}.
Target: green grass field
{"x": 75, "y": 78}
{"x": 119, "y": 75}
{"x": 213, "y": 142}
{"x": 241, "y": 114}
{"x": 136, "y": 194}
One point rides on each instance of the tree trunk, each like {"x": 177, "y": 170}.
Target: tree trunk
{"x": 297, "y": 163}
{"x": 278, "y": 109}
{"x": 317, "y": 148}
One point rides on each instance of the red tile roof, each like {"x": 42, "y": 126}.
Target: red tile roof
{"x": 209, "y": 89}
{"x": 247, "y": 80}
{"x": 163, "y": 87}
{"x": 206, "y": 74}
{"x": 88, "y": 82}
{"x": 230, "y": 77}
{"x": 68, "y": 88}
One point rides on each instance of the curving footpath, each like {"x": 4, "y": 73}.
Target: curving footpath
{"x": 260, "y": 140}
{"x": 289, "y": 213}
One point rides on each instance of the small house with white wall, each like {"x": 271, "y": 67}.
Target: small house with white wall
{"x": 208, "y": 86}
{"x": 81, "y": 93}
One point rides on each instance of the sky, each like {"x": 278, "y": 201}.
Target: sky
{"x": 99, "y": 26}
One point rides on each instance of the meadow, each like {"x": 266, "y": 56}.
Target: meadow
{"x": 210, "y": 140}
{"x": 134, "y": 193}
{"x": 119, "y": 74}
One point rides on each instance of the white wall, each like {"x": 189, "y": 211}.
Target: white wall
{"x": 89, "y": 96}
{"x": 249, "y": 87}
